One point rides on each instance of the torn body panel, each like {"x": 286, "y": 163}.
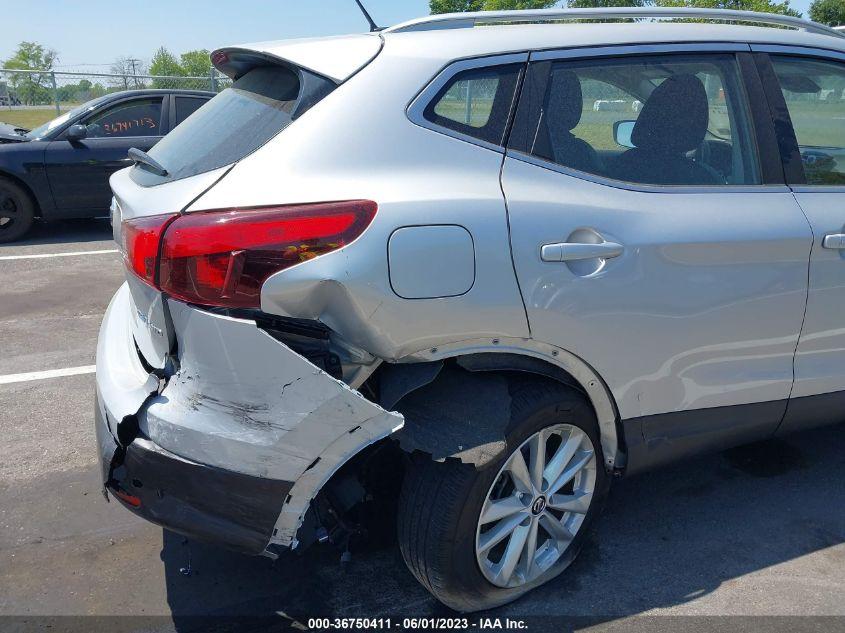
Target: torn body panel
{"x": 152, "y": 329}
{"x": 122, "y": 381}
{"x": 243, "y": 403}
{"x": 193, "y": 499}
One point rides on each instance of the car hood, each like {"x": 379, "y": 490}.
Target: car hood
{"x": 9, "y": 134}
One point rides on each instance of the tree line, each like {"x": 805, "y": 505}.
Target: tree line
{"x": 830, "y": 12}
{"x": 37, "y": 89}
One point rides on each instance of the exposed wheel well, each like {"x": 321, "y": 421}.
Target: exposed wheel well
{"x": 464, "y": 412}
{"x": 393, "y": 381}
{"x": 487, "y": 378}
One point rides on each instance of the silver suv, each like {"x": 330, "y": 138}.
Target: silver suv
{"x": 465, "y": 270}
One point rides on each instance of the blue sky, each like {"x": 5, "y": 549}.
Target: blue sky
{"x": 99, "y": 31}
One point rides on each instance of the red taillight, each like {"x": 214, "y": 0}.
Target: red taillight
{"x": 141, "y": 238}
{"x": 222, "y": 258}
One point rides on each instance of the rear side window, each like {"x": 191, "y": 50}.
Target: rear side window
{"x": 476, "y": 102}
{"x": 186, "y": 106}
{"x": 814, "y": 91}
{"x": 232, "y": 125}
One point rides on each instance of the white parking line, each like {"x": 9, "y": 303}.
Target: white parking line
{"x": 46, "y": 255}
{"x": 50, "y": 373}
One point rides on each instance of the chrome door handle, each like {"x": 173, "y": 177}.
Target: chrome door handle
{"x": 835, "y": 241}
{"x": 571, "y": 251}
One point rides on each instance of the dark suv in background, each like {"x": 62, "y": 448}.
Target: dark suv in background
{"x": 61, "y": 169}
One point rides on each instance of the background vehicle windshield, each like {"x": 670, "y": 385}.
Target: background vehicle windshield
{"x": 43, "y": 130}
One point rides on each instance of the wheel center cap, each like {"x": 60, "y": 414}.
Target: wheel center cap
{"x": 538, "y": 506}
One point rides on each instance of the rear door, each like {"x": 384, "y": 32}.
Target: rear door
{"x": 79, "y": 171}
{"x": 807, "y": 90}
{"x": 654, "y": 240}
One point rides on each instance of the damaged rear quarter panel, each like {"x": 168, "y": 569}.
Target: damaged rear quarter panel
{"x": 417, "y": 177}
{"x": 245, "y": 402}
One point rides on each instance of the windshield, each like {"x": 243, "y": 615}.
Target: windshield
{"x": 229, "y": 127}
{"x": 43, "y": 130}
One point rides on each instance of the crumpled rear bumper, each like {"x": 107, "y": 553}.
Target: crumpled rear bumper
{"x": 193, "y": 499}
{"x": 233, "y": 446}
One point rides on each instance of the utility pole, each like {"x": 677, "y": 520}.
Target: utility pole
{"x": 134, "y": 61}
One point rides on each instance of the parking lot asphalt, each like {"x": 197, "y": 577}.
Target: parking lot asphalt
{"x": 759, "y": 530}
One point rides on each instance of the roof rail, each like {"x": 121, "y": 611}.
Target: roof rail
{"x": 469, "y": 20}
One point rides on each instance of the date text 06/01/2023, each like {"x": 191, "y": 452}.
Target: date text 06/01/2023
{"x": 459, "y": 623}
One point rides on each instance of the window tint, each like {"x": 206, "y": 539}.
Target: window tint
{"x": 814, "y": 91}
{"x": 665, "y": 120}
{"x": 139, "y": 117}
{"x": 186, "y": 106}
{"x": 235, "y": 123}
{"x": 477, "y": 102}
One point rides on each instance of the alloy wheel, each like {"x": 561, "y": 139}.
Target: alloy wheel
{"x": 536, "y": 506}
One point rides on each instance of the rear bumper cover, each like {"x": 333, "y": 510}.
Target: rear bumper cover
{"x": 196, "y": 500}
{"x": 234, "y": 445}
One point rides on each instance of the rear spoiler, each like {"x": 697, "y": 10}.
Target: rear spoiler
{"x": 336, "y": 58}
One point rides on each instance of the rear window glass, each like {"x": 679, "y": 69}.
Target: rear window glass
{"x": 231, "y": 126}
{"x": 477, "y": 102}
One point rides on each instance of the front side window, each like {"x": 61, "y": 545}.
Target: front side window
{"x": 476, "y": 102}
{"x": 662, "y": 120}
{"x": 140, "y": 117}
{"x": 814, "y": 91}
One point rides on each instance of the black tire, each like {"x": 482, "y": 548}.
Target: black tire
{"x": 440, "y": 503}
{"x": 17, "y": 211}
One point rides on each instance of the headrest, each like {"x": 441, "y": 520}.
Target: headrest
{"x": 674, "y": 118}
{"x": 564, "y": 101}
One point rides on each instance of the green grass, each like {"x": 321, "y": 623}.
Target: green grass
{"x": 456, "y": 110}
{"x": 813, "y": 123}
{"x": 597, "y": 127}
{"x": 28, "y": 119}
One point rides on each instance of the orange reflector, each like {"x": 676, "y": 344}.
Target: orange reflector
{"x": 132, "y": 500}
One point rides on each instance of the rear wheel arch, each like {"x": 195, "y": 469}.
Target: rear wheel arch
{"x": 507, "y": 372}
{"x": 528, "y": 357}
